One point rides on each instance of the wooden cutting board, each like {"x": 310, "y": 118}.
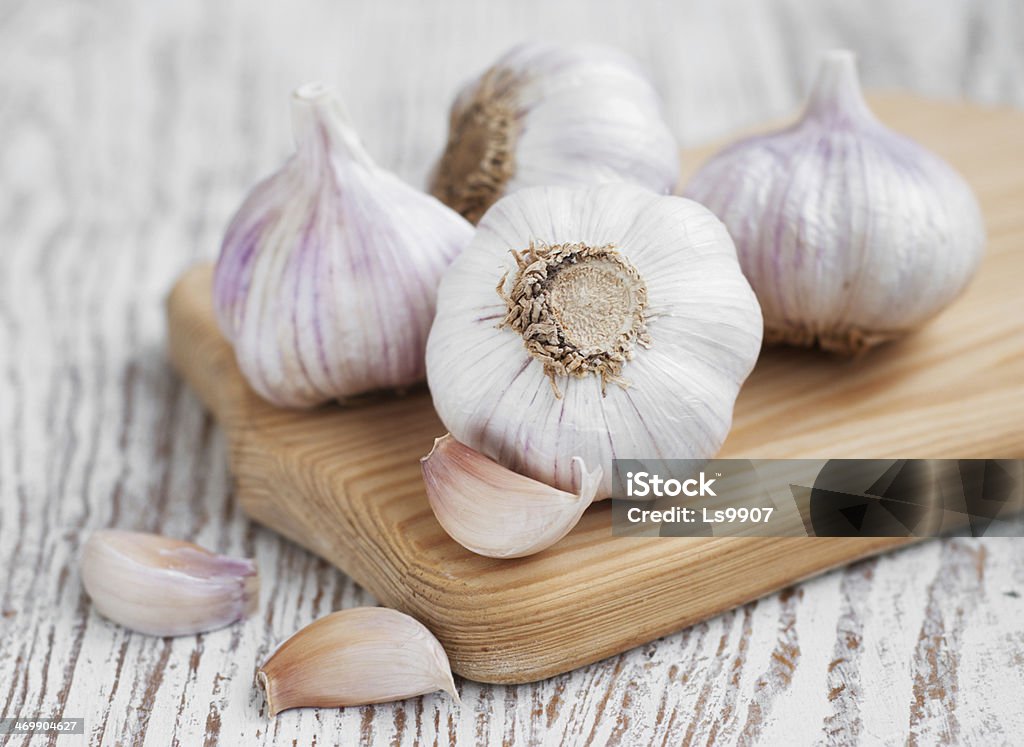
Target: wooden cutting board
{"x": 345, "y": 482}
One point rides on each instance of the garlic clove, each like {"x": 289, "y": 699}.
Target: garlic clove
{"x": 493, "y": 511}
{"x": 166, "y": 587}
{"x": 327, "y": 276}
{"x": 850, "y": 234}
{"x": 578, "y": 114}
{"x": 353, "y": 657}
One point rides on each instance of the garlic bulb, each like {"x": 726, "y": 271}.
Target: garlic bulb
{"x": 328, "y": 272}
{"x": 472, "y": 495}
{"x": 355, "y": 657}
{"x": 849, "y": 233}
{"x": 603, "y": 322}
{"x": 164, "y": 586}
{"x": 554, "y": 115}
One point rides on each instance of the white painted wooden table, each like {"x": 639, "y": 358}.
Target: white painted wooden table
{"x": 129, "y": 132}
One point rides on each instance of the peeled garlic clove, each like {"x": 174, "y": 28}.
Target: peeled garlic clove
{"x": 356, "y": 656}
{"x": 550, "y": 114}
{"x": 495, "y": 512}
{"x": 328, "y": 272}
{"x": 166, "y": 587}
{"x": 849, "y": 233}
{"x": 618, "y": 326}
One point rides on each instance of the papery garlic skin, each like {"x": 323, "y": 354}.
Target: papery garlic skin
{"x": 495, "y": 512}
{"x": 547, "y": 114}
{"x": 672, "y": 394}
{"x": 849, "y": 233}
{"x": 166, "y": 587}
{"x": 327, "y": 275}
{"x": 357, "y": 656}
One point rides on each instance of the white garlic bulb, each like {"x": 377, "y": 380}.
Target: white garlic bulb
{"x": 546, "y": 114}
{"x": 603, "y": 322}
{"x": 849, "y": 233}
{"x": 328, "y": 272}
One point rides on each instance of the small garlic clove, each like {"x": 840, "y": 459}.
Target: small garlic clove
{"x": 166, "y": 587}
{"x": 353, "y": 657}
{"x": 496, "y": 512}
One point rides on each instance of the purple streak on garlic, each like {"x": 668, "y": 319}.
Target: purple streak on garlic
{"x": 163, "y": 586}
{"x": 547, "y": 114}
{"x": 327, "y": 276}
{"x": 849, "y": 233}
{"x": 597, "y": 323}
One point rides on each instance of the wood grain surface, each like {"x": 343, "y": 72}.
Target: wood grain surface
{"x": 130, "y": 131}
{"x": 345, "y": 483}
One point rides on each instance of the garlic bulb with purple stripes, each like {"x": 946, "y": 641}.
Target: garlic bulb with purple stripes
{"x": 849, "y": 233}
{"x": 547, "y": 114}
{"x": 599, "y": 323}
{"x": 328, "y": 272}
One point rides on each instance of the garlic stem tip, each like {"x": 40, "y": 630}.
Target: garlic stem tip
{"x": 264, "y": 683}
{"x": 438, "y": 443}
{"x": 450, "y": 689}
{"x": 312, "y": 91}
